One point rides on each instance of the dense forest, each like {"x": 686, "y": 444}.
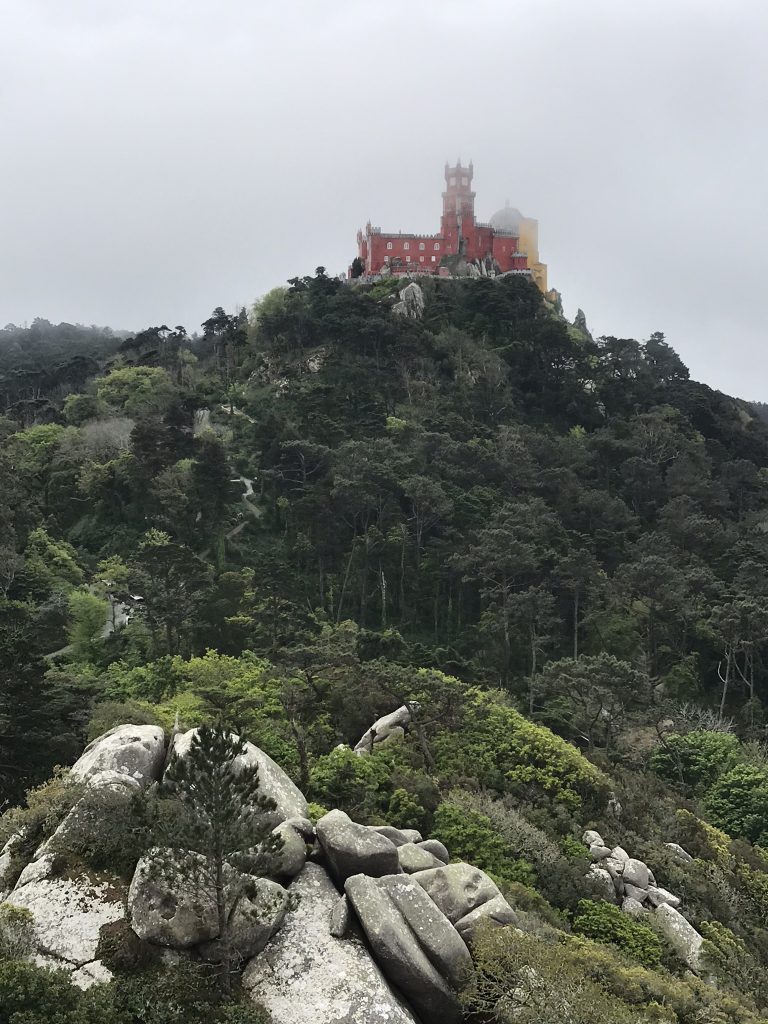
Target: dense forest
{"x": 309, "y": 513}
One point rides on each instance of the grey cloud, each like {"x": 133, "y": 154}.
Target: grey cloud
{"x": 159, "y": 159}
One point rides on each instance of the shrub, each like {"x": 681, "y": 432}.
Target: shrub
{"x": 520, "y": 980}
{"x": 358, "y": 785}
{"x": 697, "y": 759}
{"x": 738, "y": 803}
{"x": 686, "y": 1000}
{"x": 404, "y": 811}
{"x": 34, "y": 995}
{"x": 471, "y": 837}
{"x": 755, "y": 886}
{"x": 47, "y": 806}
{"x": 183, "y": 993}
{"x": 16, "y": 932}
{"x": 524, "y": 838}
{"x": 701, "y": 839}
{"x": 106, "y": 830}
{"x": 111, "y": 713}
{"x": 731, "y": 962}
{"x": 606, "y": 923}
{"x": 121, "y": 949}
{"x": 503, "y": 751}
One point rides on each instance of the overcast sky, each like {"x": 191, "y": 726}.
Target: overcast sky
{"x": 161, "y": 157}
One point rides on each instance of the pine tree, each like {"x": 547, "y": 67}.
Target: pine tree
{"x": 216, "y": 812}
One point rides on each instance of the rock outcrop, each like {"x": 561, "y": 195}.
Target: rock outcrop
{"x": 619, "y": 878}
{"x": 411, "y": 302}
{"x": 457, "y": 889}
{"x": 398, "y": 914}
{"x": 258, "y": 914}
{"x": 167, "y": 904}
{"x": 293, "y": 852}
{"x": 414, "y": 858}
{"x": 353, "y": 849}
{"x": 136, "y": 751}
{"x": 68, "y": 915}
{"x": 679, "y": 853}
{"x": 306, "y": 976}
{"x": 681, "y": 934}
{"x": 384, "y": 729}
{"x": 414, "y": 943}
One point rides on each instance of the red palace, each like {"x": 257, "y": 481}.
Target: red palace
{"x": 508, "y": 243}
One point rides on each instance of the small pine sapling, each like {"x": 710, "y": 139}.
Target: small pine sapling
{"x": 213, "y": 827}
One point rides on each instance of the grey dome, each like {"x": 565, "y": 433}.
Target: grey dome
{"x": 507, "y": 219}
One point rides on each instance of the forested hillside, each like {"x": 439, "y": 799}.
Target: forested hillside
{"x": 302, "y": 518}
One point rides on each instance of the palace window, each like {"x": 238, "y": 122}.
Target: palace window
{"x": 389, "y": 245}
{"x": 465, "y": 181}
{"x": 434, "y": 259}
{"x": 421, "y": 259}
{"x": 421, "y": 245}
{"x": 407, "y": 259}
{"x": 437, "y": 246}
{"x": 406, "y": 245}
{"x": 386, "y": 259}
{"x": 452, "y": 181}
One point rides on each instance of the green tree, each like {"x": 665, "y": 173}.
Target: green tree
{"x": 219, "y": 813}
{"x": 88, "y": 617}
{"x": 738, "y": 803}
{"x": 136, "y": 390}
{"x": 171, "y": 581}
{"x": 589, "y": 700}
{"x": 696, "y": 759}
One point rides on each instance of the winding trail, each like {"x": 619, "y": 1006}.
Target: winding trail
{"x": 250, "y": 506}
{"x": 231, "y": 410}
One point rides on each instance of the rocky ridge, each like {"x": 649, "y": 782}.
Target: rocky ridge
{"x": 371, "y": 923}
{"x": 631, "y": 883}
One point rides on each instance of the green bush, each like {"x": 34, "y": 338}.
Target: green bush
{"x": 738, "y": 803}
{"x": 405, "y": 811}
{"x": 606, "y": 923}
{"x": 521, "y": 980}
{"x": 107, "y": 830}
{"x": 701, "y": 839}
{"x": 110, "y": 713}
{"x": 697, "y": 759}
{"x": 17, "y": 937}
{"x": 660, "y": 995}
{"x": 47, "y": 806}
{"x": 34, "y": 995}
{"x": 732, "y": 964}
{"x": 361, "y": 786}
{"x": 471, "y": 837}
{"x": 499, "y": 749}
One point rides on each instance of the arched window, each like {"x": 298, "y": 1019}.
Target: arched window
{"x": 437, "y": 246}
{"x": 406, "y": 245}
{"x": 421, "y": 245}
{"x": 389, "y": 245}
